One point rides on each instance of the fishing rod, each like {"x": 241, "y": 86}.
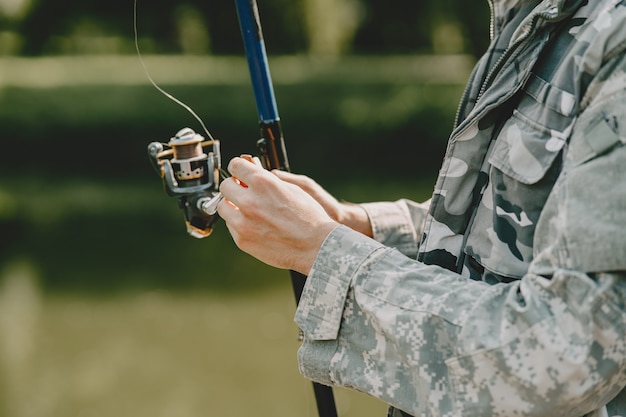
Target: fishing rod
{"x": 190, "y": 166}
{"x": 273, "y": 153}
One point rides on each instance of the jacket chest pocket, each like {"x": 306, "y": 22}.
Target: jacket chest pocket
{"x": 536, "y": 132}
{"x": 522, "y": 167}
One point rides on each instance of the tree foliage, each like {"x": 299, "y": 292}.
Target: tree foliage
{"x": 400, "y": 26}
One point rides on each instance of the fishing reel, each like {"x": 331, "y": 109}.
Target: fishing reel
{"x": 190, "y": 168}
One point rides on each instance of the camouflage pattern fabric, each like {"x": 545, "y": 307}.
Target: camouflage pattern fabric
{"x": 516, "y": 304}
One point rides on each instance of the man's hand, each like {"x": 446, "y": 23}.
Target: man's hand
{"x": 275, "y": 221}
{"x": 351, "y": 215}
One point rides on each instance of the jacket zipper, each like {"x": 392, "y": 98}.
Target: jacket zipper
{"x": 492, "y": 21}
{"x": 509, "y": 53}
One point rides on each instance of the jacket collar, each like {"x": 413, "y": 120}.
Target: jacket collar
{"x": 502, "y": 11}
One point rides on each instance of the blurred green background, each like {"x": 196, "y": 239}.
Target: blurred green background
{"x": 107, "y": 307}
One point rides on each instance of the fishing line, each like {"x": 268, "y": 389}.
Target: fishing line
{"x": 165, "y": 93}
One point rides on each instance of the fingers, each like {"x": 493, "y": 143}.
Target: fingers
{"x": 301, "y": 181}
{"x": 227, "y": 210}
{"x": 284, "y": 175}
{"x": 243, "y": 172}
{"x": 250, "y": 187}
{"x": 307, "y": 184}
{"x": 244, "y": 169}
{"x": 272, "y": 220}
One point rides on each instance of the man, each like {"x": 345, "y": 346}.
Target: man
{"x": 505, "y": 295}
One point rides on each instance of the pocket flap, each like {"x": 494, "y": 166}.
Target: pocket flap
{"x": 525, "y": 150}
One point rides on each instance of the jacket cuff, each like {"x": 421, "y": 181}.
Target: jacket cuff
{"x": 394, "y": 224}
{"x": 321, "y": 305}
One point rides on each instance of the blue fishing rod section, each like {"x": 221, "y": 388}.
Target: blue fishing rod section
{"x": 257, "y": 60}
{"x": 271, "y": 146}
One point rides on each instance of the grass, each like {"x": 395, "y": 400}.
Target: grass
{"x": 154, "y": 354}
{"x": 86, "y": 70}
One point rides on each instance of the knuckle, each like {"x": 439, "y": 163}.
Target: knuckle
{"x": 252, "y": 211}
{"x": 308, "y": 183}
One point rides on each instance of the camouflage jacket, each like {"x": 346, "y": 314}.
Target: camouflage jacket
{"x": 516, "y": 303}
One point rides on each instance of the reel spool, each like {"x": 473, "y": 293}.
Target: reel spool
{"x": 190, "y": 169}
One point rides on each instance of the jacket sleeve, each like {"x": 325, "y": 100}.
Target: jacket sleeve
{"x": 432, "y": 343}
{"x": 398, "y": 224}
